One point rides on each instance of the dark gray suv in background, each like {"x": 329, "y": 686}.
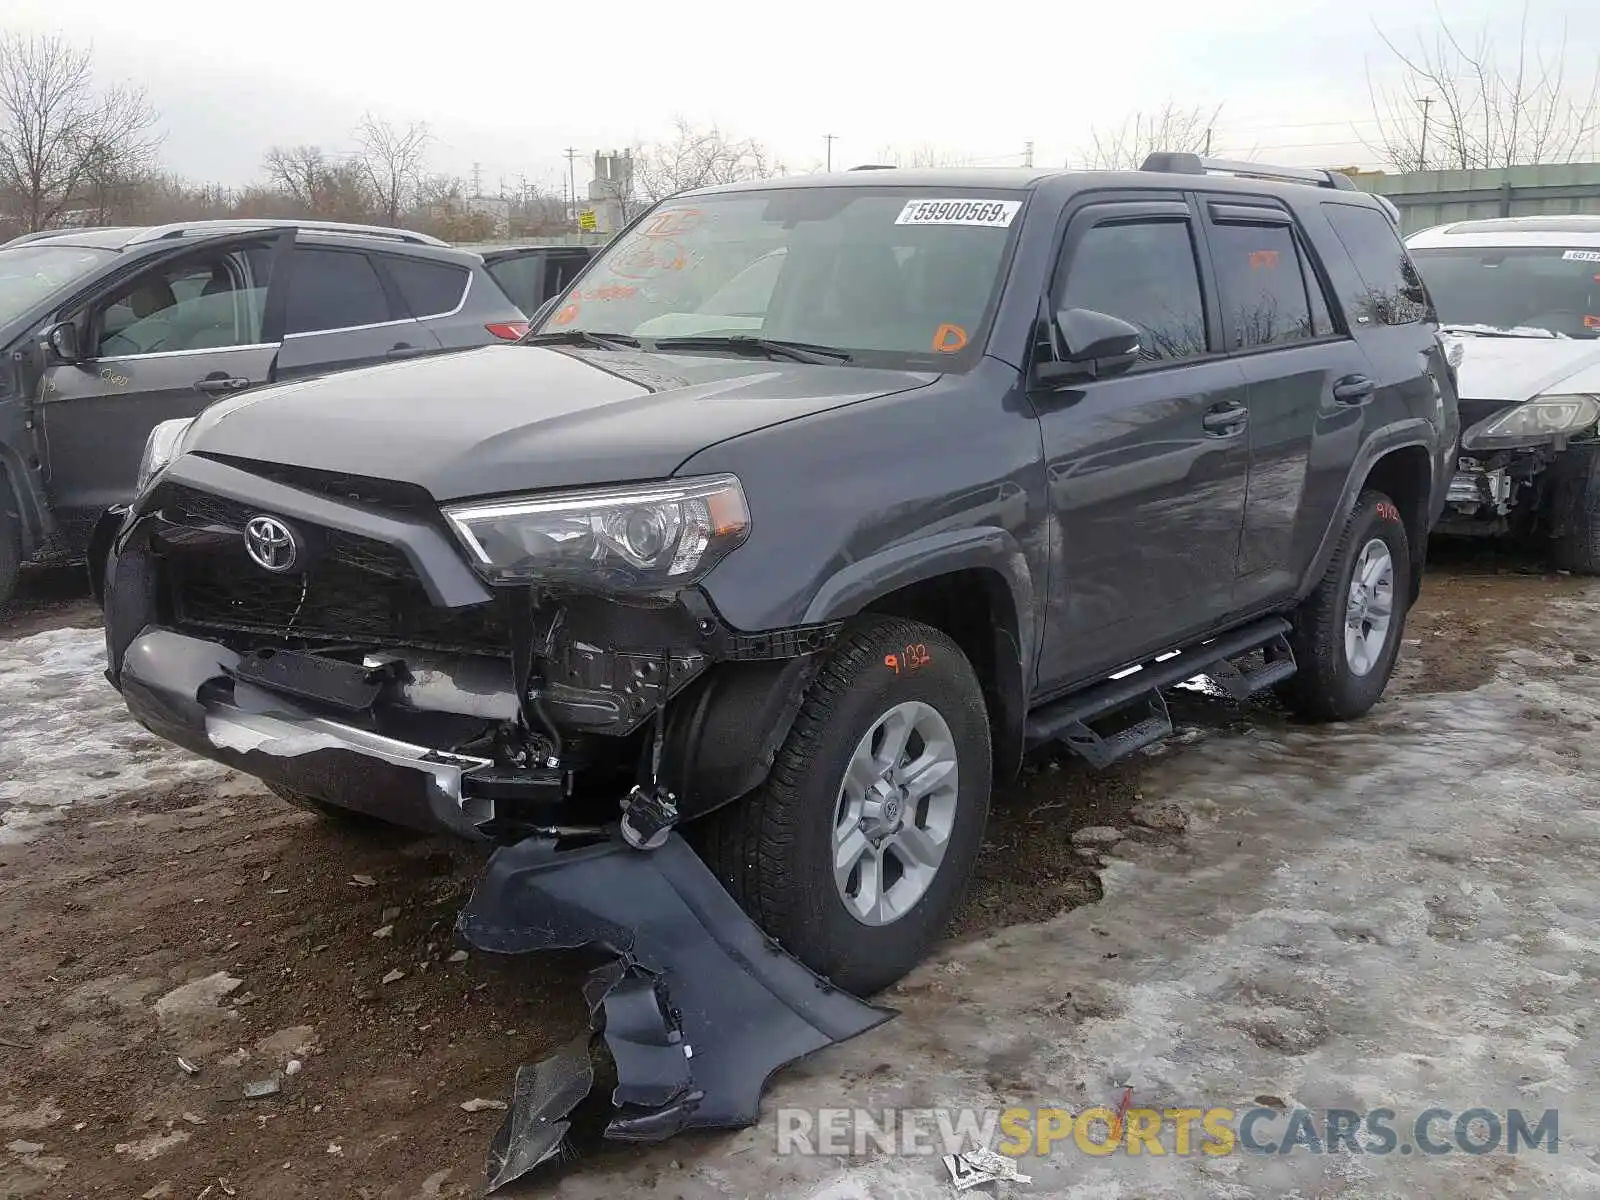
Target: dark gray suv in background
{"x": 107, "y": 332}
{"x": 810, "y": 507}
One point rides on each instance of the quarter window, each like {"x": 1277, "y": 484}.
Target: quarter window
{"x": 333, "y": 289}
{"x": 1391, "y": 292}
{"x": 430, "y": 289}
{"x": 1146, "y": 273}
{"x": 1261, "y": 284}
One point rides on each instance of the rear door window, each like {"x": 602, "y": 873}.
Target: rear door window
{"x": 1261, "y": 284}
{"x": 334, "y": 289}
{"x": 430, "y": 289}
{"x": 1391, "y": 292}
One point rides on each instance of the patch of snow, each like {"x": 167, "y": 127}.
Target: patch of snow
{"x": 66, "y": 738}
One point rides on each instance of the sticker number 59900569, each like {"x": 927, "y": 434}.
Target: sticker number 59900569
{"x": 994, "y": 213}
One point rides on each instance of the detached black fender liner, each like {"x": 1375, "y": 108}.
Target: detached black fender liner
{"x": 696, "y": 1008}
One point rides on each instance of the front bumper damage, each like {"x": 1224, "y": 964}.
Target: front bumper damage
{"x": 691, "y": 1013}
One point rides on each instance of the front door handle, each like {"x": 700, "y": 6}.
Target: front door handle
{"x": 1354, "y": 389}
{"x": 219, "y": 384}
{"x": 1225, "y": 420}
{"x": 403, "y": 350}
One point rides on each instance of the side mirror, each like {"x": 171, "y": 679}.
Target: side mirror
{"x": 1093, "y": 345}
{"x": 63, "y": 340}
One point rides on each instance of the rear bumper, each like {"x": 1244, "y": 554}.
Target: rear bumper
{"x": 178, "y": 687}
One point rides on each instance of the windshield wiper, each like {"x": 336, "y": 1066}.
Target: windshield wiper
{"x": 804, "y": 352}
{"x": 581, "y": 337}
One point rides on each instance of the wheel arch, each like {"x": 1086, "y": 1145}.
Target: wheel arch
{"x": 1398, "y": 463}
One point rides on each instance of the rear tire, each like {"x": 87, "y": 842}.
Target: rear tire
{"x": 886, "y": 679}
{"x": 1344, "y": 659}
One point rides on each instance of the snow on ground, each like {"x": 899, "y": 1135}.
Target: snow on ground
{"x": 1400, "y": 912}
{"x": 65, "y": 736}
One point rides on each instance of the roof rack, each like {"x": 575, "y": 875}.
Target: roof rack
{"x": 180, "y": 229}
{"x": 1193, "y": 164}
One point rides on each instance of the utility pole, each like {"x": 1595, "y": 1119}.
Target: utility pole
{"x": 829, "y": 138}
{"x": 1422, "y": 150}
{"x": 1027, "y": 154}
{"x": 572, "y": 180}
{"x": 477, "y": 180}
{"x": 1208, "y": 142}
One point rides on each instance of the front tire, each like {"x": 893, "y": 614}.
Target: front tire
{"x": 1347, "y": 633}
{"x": 856, "y": 852}
{"x": 1576, "y": 491}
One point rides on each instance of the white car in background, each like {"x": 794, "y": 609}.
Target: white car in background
{"x": 1518, "y": 300}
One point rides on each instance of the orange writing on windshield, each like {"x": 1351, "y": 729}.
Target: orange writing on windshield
{"x": 949, "y": 338}
{"x": 566, "y": 316}
{"x": 1591, "y": 322}
{"x": 1263, "y": 258}
{"x": 670, "y": 223}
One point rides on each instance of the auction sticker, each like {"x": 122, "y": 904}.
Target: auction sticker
{"x": 996, "y": 214}
{"x": 1582, "y": 256}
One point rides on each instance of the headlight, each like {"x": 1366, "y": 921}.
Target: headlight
{"x": 642, "y": 538}
{"x": 1535, "y": 421}
{"x": 163, "y": 445}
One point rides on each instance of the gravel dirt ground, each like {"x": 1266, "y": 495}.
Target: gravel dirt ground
{"x": 1397, "y": 911}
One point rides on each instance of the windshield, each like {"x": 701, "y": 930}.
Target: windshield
{"x": 29, "y": 274}
{"x": 1535, "y": 291}
{"x": 887, "y": 275}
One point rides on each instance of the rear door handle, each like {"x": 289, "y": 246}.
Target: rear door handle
{"x": 220, "y": 384}
{"x": 1354, "y": 389}
{"x": 1225, "y": 420}
{"x": 403, "y": 350}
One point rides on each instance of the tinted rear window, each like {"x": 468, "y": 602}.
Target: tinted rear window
{"x": 333, "y": 289}
{"x": 430, "y": 289}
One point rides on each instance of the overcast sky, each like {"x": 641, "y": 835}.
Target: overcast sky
{"x": 510, "y": 86}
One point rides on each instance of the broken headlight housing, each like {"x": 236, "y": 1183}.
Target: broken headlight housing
{"x": 1534, "y": 422}
{"x": 163, "y": 445}
{"x": 640, "y": 538}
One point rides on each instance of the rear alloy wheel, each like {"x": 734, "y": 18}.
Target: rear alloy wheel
{"x": 856, "y": 852}
{"x": 1347, "y": 633}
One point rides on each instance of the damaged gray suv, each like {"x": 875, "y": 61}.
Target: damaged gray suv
{"x": 806, "y": 511}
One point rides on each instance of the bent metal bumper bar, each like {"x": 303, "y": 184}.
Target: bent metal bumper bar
{"x": 180, "y": 688}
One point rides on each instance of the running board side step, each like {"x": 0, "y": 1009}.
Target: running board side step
{"x": 1068, "y": 719}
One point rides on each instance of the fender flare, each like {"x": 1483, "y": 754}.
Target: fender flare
{"x": 1399, "y": 436}
{"x": 981, "y": 547}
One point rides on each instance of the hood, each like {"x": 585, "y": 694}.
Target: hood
{"x": 523, "y": 418}
{"x": 1513, "y": 369}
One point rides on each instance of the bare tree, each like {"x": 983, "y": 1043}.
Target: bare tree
{"x": 393, "y": 161}
{"x": 318, "y": 185}
{"x": 1480, "y": 103}
{"x": 59, "y": 132}
{"x": 695, "y": 158}
{"x": 1172, "y": 127}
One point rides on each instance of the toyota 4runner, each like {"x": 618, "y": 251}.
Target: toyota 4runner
{"x": 802, "y": 515}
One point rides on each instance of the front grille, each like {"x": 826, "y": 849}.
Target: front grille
{"x": 356, "y": 590}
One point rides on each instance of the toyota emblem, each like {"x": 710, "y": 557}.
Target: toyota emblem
{"x": 271, "y": 544}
